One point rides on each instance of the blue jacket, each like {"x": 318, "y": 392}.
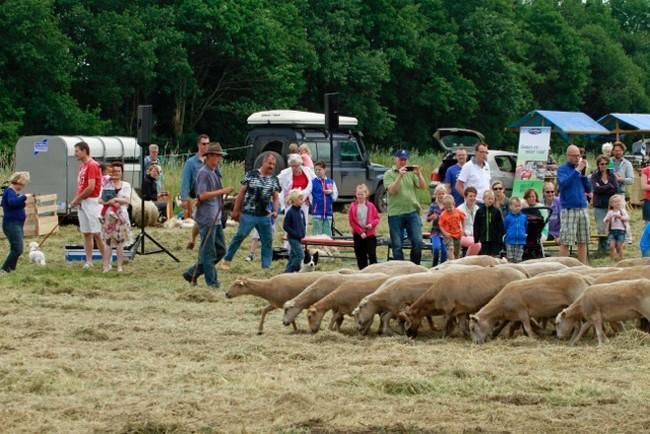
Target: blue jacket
{"x": 322, "y": 203}
{"x": 190, "y": 170}
{"x": 294, "y": 223}
{"x": 515, "y": 226}
{"x": 573, "y": 187}
{"x": 645, "y": 239}
{"x": 13, "y": 206}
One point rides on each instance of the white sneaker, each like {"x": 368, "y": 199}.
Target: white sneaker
{"x": 250, "y": 257}
{"x": 87, "y": 266}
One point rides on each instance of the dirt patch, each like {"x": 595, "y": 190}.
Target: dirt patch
{"x": 198, "y": 296}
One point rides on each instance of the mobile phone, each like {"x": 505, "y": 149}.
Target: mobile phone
{"x": 410, "y": 168}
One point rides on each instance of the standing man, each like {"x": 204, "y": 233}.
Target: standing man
{"x": 451, "y": 176}
{"x": 403, "y": 206}
{"x": 210, "y": 193}
{"x": 89, "y": 186}
{"x": 622, "y": 167}
{"x": 259, "y": 188}
{"x": 574, "y": 219}
{"x": 152, "y": 158}
{"x": 190, "y": 170}
{"x": 475, "y": 173}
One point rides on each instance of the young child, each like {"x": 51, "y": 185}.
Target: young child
{"x": 616, "y": 221}
{"x": 294, "y": 226}
{"x": 323, "y": 195}
{"x": 13, "y": 220}
{"x": 435, "y": 209}
{"x": 645, "y": 242}
{"x": 451, "y": 223}
{"x": 305, "y": 154}
{"x": 364, "y": 218}
{"x": 488, "y": 226}
{"x": 515, "y": 226}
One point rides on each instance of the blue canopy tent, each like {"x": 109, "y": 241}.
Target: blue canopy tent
{"x": 566, "y": 124}
{"x": 626, "y": 123}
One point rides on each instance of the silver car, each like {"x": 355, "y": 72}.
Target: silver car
{"x": 502, "y": 163}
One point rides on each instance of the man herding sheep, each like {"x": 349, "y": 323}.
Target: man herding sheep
{"x": 574, "y": 219}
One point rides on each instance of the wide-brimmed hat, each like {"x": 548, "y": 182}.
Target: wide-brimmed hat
{"x": 215, "y": 148}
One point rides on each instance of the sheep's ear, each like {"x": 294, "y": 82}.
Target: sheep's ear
{"x": 473, "y": 317}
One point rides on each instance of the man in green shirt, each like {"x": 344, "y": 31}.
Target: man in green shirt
{"x": 402, "y": 180}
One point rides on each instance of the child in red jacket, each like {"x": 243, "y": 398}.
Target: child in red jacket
{"x": 364, "y": 218}
{"x": 451, "y": 225}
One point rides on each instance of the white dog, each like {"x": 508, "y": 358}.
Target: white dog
{"x": 35, "y": 254}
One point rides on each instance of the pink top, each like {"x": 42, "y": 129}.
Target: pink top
{"x": 646, "y": 171}
{"x": 616, "y": 219}
{"x": 373, "y": 219}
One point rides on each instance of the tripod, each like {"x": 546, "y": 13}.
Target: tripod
{"x": 139, "y": 240}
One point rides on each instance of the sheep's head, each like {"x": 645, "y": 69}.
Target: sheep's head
{"x": 290, "y": 312}
{"x": 314, "y": 317}
{"x": 563, "y": 325}
{"x": 237, "y": 288}
{"x": 363, "y": 316}
{"x": 478, "y": 329}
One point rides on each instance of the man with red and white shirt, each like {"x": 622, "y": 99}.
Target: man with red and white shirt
{"x": 89, "y": 186}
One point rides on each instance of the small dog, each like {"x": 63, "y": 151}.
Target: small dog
{"x": 309, "y": 262}
{"x": 35, "y": 254}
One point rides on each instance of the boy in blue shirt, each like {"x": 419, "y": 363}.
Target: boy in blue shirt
{"x": 645, "y": 242}
{"x": 323, "y": 195}
{"x": 515, "y": 225}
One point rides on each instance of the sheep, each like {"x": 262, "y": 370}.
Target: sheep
{"x": 517, "y": 267}
{"x": 585, "y": 270}
{"x": 391, "y": 297}
{"x": 454, "y": 295}
{"x": 537, "y": 297}
{"x": 276, "y": 290}
{"x": 533, "y": 269}
{"x": 319, "y": 289}
{"x": 342, "y": 301}
{"x": 394, "y": 268}
{"x": 482, "y": 260}
{"x": 627, "y": 273}
{"x": 618, "y": 301}
{"x": 566, "y": 260}
{"x": 633, "y": 262}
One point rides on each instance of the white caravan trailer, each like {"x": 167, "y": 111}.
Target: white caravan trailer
{"x": 53, "y": 167}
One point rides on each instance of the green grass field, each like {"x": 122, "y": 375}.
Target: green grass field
{"x": 142, "y": 352}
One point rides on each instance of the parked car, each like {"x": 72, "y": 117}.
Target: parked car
{"x": 273, "y": 131}
{"x": 502, "y": 163}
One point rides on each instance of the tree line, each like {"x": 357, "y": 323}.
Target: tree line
{"x": 403, "y": 67}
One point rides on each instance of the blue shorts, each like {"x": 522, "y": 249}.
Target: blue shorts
{"x": 617, "y": 235}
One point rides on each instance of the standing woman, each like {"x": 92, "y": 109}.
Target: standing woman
{"x": 116, "y": 228}
{"x": 296, "y": 176}
{"x": 552, "y": 230}
{"x": 13, "y": 206}
{"x": 500, "y": 199}
{"x": 604, "y": 185}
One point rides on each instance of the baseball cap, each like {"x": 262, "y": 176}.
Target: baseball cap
{"x": 402, "y": 154}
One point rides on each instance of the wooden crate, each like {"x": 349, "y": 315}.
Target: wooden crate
{"x": 41, "y": 213}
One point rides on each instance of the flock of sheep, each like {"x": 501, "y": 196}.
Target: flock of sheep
{"x": 480, "y": 294}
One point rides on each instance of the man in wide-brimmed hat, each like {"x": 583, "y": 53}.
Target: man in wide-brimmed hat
{"x": 209, "y": 193}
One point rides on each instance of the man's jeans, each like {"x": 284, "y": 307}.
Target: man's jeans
{"x": 219, "y": 244}
{"x": 247, "y": 223}
{"x": 410, "y": 222}
{"x": 296, "y": 256}
{"x": 14, "y": 233}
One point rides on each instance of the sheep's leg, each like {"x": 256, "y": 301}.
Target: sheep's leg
{"x": 527, "y": 327}
{"x": 432, "y": 326}
{"x": 600, "y": 333}
{"x": 266, "y": 310}
{"x": 450, "y": 324}
{"x": 644, "y": 324}
{"x": 465, "y": 326}
{"x": 332, "y": 321}
{"x": 514, "y": 326}
{"x": 617, "y": 326}
{"x": 499, "y": 327}
{"x": 585, "y": 326}
{"x": 339, "y": 321}
{"x": 384, "y": 325}
{"x": 295, "y": 327}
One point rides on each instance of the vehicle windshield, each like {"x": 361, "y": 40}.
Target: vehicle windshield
{"x": 460, "y": 140}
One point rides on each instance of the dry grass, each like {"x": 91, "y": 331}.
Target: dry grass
{"x": 144, "y": 353}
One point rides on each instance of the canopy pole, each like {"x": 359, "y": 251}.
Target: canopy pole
{"x": 618, "y": 134}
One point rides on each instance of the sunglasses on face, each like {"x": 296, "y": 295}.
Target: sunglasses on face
{"x": 497, "y": 188}
{"x": 549, "y": 191}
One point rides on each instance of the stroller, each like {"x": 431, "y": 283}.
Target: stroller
{"x": 537, "y": 219}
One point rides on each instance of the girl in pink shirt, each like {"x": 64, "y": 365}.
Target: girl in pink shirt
{"x": 364, "y": 218}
